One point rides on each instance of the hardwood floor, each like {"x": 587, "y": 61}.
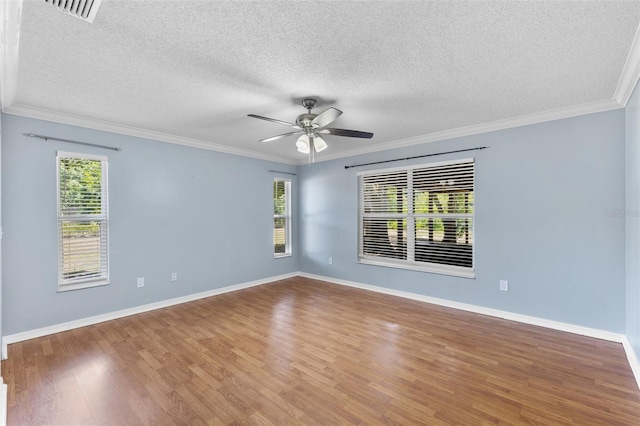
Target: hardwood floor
{"x": 300, "y": 351}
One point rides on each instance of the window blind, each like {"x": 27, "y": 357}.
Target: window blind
{"x": 281, "y": 217}
{"x": 82, "y": 221}
{"x": 419, "y": 217}
{"x": 384, "y": 214}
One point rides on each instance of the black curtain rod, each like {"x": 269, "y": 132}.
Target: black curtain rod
{"x": 415, "y": 156}
{"x": 46, "y": 138}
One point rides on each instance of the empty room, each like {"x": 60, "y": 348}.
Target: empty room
{"x": 319, "y": 212}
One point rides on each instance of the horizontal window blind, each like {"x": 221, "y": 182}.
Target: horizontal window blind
{"x": 419, "y": 217}
{"x": 82, "y": 221}
{"x": 384, "y": 210}
{"x": 281, "y": 217}
{"x": 83, "y": 248}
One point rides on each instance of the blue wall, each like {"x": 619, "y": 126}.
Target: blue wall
{"x": 548, "y": 219}
{"x": 202, "y": 214}
{"x": 632, "y": 217}
{"x": 548, "y": 198}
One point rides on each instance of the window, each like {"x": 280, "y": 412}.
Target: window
{"x": 418, "y": 217}
{"x": 281, "y": 217}
{"x": 82, "y": 221}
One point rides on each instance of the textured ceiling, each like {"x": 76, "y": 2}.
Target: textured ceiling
{"x": 191, "y": 71}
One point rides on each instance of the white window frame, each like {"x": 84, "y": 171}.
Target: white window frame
{"x": 103, "y": 279}
{"x": 410, "y": 263}
{"x": 286, "y": 217}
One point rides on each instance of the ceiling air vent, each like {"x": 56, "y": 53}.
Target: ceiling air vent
{"x": 83, "y": 9}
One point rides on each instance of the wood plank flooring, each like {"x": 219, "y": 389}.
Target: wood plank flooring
{"x": 300, "y": 351}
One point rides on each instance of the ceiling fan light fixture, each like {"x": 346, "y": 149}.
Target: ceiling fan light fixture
{"x": 319, "y": 144}
{"x": 303, "y": 144}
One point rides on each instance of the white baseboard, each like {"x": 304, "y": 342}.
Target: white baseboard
{"x": 83, "y": 322}
{"x": 633, "y": 359}
{"x": 526, "y": 319}
{"x": 3, "y": 403}
{"x": 556, "y": 325}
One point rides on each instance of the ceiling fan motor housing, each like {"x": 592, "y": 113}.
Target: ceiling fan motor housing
{"x": 305, "y": 120}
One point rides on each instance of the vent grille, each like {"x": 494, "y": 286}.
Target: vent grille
{"x": 83, "y": 9}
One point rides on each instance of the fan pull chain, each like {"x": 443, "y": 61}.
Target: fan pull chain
{"x": 312, "y": 149}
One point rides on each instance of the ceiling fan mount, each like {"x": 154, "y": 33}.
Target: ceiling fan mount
{"x": 309, "y": 103}
{"x": 311, "y": 126}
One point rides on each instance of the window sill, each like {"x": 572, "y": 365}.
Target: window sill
{"x": 454, "y": 271}
{"x": 79, "y": 286}
{"x": 280, "y": 256}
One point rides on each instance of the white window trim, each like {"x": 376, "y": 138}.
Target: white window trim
{"x": 287, "y": 217}
{"x": 64, "y": 285}
{"x": 456, "y": 271}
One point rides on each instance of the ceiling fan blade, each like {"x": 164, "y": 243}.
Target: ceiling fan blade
{"x": 326, "y": 117}
{"x": 273, "y": 120}
{"x": 347, "y": 133}
{"x": 274, "y": 138}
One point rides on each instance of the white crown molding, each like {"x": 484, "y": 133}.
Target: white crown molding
{"x": 507, "y": 123}
{"x": 10, "y": 17}
{"x": 83, "y": 322}
{"x": 107, "y": 126}
{"x": 523, "y": 120}
{"x": 10, "y": 12}
{"x": 630, "y": 72}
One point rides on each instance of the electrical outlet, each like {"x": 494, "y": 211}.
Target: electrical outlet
{"x": 330, "y": 260}
{"x": 174, "y": 276}
{"x": 504, "y": 285}
{"x": 140, "y": 282}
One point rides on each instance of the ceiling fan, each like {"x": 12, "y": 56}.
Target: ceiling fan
{"x": 312, "y": 126}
